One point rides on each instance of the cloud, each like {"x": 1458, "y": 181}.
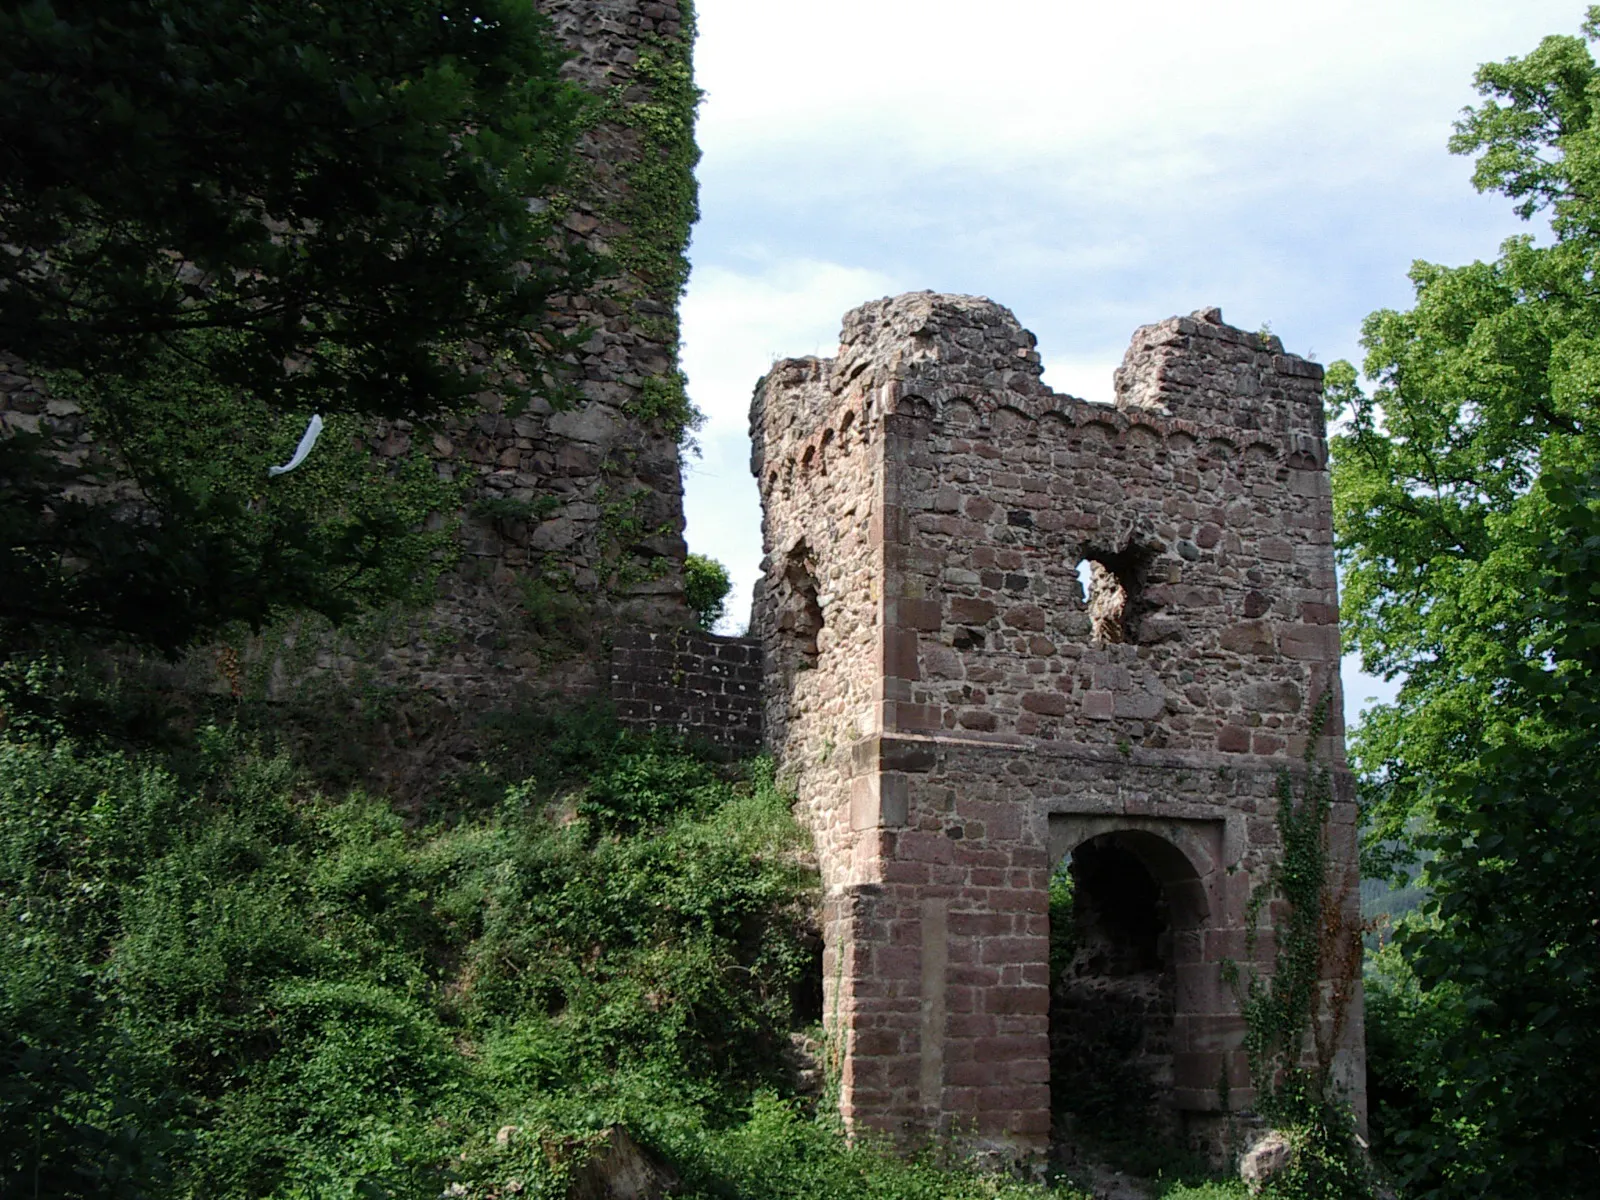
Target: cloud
{"x": 737, "y": 320}
{"x": 1020, "y": 78}
{"x": 1094, "y": 167}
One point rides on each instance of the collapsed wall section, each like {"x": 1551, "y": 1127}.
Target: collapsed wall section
{"x": 1087, "y": 621}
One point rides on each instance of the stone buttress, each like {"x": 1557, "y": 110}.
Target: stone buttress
{"x": 1001, "y": 624}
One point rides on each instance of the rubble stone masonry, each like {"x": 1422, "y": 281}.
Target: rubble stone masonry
{"x": 578, "y": 511}
{"x": 959, "y": 711}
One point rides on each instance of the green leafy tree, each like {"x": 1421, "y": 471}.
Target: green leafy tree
{"x": 220, "y": 218}
{"x": 706, "y": 586}
{"x": 1467, "y": 497}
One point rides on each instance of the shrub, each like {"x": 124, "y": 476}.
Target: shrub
{"x": 217, "y": 981}
{"x": 706, "y": 586}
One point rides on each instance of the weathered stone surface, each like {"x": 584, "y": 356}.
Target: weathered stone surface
{"x": 483, "y": 643}
{"x": 621, "y": 1169}
{"x": 931, "y": 514}
{"x": 1269, "y": 1154}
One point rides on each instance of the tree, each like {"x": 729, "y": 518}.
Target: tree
{"x": 219, "y": 218}
{"x": 1467, "y": 504}
{"x": 706, "y": 586}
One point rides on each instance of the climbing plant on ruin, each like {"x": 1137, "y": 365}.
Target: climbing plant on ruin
{"x": 1296, "y": 1017}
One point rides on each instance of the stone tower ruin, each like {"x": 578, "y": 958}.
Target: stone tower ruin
{"x": 573, "y": 519}
{"x": 1003, "y": 628}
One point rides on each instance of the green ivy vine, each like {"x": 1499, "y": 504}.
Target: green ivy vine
{"x": 1293, "y": 1022}
{"x": 659, "y": 209}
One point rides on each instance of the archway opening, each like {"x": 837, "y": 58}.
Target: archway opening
{"x": 1113, "y": 989}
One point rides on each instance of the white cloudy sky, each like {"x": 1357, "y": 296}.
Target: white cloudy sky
{"x": 1093, "y": 166}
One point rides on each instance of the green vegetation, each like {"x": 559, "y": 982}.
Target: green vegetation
{"x": 663, "y": 195}
{"x": 1467, "y": 496}
{"x": 218, "y": 224}
{"x": 706, "y": 586}
{"x": 663, "y": 403}
{"x": 221, "y": 978}
{"x": 1296, "y": 1018}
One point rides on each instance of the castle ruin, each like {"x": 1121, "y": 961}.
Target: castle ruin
{"x": 1000, "y": 630}
{"x": 1003, "y": 628}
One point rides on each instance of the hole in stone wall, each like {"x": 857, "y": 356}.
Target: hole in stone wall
{"x": 1111, "y": 584}
{"x": 967, "y": 638}
{"x": 1112, "y": 988}
{"x": 800, "y": 612}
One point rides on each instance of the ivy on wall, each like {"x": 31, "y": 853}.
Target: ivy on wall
{"x": 1295, "y": 1017}
{"x": 660, "y": 208}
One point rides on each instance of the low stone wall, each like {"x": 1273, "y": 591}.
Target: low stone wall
{"x": 695, "y": 684}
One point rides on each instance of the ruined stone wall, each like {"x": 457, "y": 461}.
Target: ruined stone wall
{"x": 821, "y": 463}
{"x": 573, "y": 519}
{"x": 694, "y": 684}
{"x": 1214, "y": 508}
{"x": 997, "y": 716}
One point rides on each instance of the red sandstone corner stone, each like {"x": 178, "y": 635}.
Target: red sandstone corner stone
{"x": 1313, "y": 613}
{"x": 1032, "y": 1121}
{"x": 1316, "y": 643}
{"x": 918, "y": 614}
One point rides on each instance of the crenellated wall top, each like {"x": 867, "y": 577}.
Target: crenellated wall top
{"x": 963, "y": 365}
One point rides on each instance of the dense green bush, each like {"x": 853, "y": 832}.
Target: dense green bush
{"x": 217, "y": 980}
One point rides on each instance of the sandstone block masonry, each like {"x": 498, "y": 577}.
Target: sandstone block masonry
{"x": 698, "y": 685}
{"x": 1001, "y": 626}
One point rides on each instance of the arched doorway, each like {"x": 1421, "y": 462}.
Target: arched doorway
{"x": 1128, "y": 914}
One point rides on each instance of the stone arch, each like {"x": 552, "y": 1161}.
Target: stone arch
{"x": 1175, "y": 975}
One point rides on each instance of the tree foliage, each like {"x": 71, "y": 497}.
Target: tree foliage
{"x": 1467, "y": 497}
{"x": 706, "y": 586}
{"x": 220, "y": 218}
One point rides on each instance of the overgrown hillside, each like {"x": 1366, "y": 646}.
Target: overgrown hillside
{"x": 218, "y": 979}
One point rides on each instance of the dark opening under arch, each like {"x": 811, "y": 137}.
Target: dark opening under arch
{"x": 1127, "y": 911}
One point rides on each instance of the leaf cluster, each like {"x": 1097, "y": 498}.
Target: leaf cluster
{"x": 1466, "y": 487}
{"x": 706, "y": 586}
